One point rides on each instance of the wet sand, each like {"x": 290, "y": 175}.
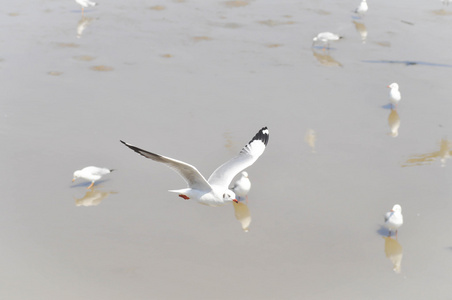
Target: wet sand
{"x": 195, "y": 81}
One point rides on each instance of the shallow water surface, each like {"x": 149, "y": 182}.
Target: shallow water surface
{"x": 195, "y": 80}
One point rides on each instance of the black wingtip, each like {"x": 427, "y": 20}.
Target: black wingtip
{"x": 262, "y": 135}
{"x": 142, "y": 152}
{"x": 129, "y": 146}
{"x": 111, "y": 170}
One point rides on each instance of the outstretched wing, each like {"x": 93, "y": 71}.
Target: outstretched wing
{"x": 224, "y": 174}
{"x": 190, "y": 174}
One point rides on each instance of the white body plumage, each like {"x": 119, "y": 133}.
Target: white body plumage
{"x": 242, "y": 186}
{"x": 91, "y": 173}
{"x": 394, "y": 94}
{"x": 326, "y": 37}
{"x": 86, "y": 3}
{"x": 394, "y": 218}
{"x": 362, "y": 8}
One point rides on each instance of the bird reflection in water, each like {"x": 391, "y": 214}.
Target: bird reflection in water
{"x": 394, "y": 123}
{"x": 394, "y": 253}
{"x": 92, "y": 198}
{"x": 443, "y": 154}
{"x": 310, "y": 138}
{"x": 362, "y": 30}
{"x": 326, "y": 59}
{"x": 242, "y": 214}
{"x": 82, "y": 24}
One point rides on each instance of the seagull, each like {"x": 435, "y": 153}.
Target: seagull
{"x": 242, "y": 186}
{"x": 214, "y": 191}
{"x": 394, "y": 219}
{"x": 362, "y": 8}
{"x": 394, "y": 94}
{"x": 85, "y": 3}
{"x": 326, "y": 37}
{"x": 92, "y": 174}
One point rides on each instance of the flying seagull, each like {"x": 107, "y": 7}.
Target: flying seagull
{"x": 214, "y": 191}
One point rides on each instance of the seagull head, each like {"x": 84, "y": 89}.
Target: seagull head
{"x": 393, "y": 86}
{"x": 76, "y": 175}
{"x": 397, "y": 208}
{"x": 244, "y": 174}
{"x": 229, "y": 196}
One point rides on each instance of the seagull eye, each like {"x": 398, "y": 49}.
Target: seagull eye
{"x": 224, "y": 195}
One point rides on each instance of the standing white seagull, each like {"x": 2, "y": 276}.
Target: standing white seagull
{"x": 326, "y": 37}
{"x": 92, "y": 174}
{"x": 394, "y": 219}
{"x": 214, "y": 191}
{"x": 362, "y": 8}
{"x": 394, "y": 94}
{"x": 85, "y": 3}
{"x": 242, "y": 187}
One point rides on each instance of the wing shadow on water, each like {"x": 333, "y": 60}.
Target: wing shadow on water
{"x": 383, "y": 231}
{"x": 407, "y": 63}
{"x": 87, "y": 183}
{"x": 387, "y": 106}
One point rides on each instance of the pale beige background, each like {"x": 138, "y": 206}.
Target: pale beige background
{"x": 195, "y": 80}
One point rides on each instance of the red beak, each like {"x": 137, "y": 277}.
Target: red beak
{"x": 236, "y": 201}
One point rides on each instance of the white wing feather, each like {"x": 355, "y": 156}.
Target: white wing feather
{"x": 224, "y": 174}
{"x": 188, "y": 172}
